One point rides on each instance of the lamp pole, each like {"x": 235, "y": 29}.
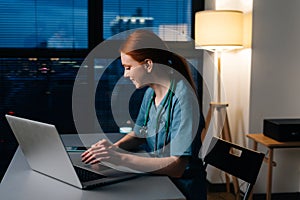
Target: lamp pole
{"x": 219, "y": 76}
{"x": 218, "y": 30}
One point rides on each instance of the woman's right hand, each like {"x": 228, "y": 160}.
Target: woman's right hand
{"x": 101, "y": 151}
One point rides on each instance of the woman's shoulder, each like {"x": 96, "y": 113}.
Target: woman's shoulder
{"x": 148, "y": 93}
{"x": 183, "y": 88}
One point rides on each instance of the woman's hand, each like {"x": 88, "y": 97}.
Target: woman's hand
{"x": 101, "y": 151}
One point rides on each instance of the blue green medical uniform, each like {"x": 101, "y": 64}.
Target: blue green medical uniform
{"x": 180, "y": 112}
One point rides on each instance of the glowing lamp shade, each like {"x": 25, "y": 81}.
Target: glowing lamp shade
{"x": 219, "y": 30}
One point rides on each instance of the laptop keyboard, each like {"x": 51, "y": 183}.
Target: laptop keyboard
{"x": 85, "y": 175}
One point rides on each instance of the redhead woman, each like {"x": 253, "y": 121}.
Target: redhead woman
{"x": 169, "y": 122}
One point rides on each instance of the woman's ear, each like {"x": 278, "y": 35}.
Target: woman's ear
{"x": 148, "y": 65}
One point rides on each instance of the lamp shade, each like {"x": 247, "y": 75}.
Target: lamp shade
{"x": 219, "y": 29}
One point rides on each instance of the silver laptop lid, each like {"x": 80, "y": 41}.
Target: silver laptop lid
{"x": 43, "y": 149}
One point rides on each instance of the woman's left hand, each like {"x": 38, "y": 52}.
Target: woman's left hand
{"x": 101, "y": 151}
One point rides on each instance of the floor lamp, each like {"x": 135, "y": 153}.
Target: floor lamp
{"x": 219, "y": 31}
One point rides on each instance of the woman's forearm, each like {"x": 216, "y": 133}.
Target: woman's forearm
{"x": 129, "y": 141}
{"x": 116, "y": 154}
{"x": 171, "y": 166}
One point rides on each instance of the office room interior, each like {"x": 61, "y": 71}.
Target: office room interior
{"x": 259, "y": 81}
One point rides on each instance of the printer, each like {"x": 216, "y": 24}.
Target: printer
{"x": 283, "y": 130}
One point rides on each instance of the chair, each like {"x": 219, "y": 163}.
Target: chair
{"x": 235, "y": 160}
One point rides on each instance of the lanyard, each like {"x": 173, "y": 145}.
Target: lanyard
{"x": 168, "y": 99}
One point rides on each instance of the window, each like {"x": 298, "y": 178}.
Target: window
{"x": 71, "y": 28}
{"x": 43, "y": 24}
{"x": 121, "y": 15}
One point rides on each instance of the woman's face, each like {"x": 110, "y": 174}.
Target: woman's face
{"x": 134, "y": 70}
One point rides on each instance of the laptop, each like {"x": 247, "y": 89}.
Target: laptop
{"x": 45, "y": 153}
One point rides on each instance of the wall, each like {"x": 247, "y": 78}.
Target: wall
{"x": 275, "y": 82}
{"x": 266, "y": 85}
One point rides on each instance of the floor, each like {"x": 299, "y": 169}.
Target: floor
{"x": 220, "y": 196}
{"x": 218, "y": 192}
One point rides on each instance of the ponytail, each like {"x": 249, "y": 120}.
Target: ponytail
{"x": 180, "y": 64}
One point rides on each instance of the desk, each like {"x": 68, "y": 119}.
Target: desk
{"x": 20, "y": 182}
{"x": 271, "y": 144}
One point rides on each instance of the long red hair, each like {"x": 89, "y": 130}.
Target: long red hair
{"x": 143, "y": 44}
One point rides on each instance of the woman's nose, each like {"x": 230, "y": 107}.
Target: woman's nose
{"x": 126, "y": 73}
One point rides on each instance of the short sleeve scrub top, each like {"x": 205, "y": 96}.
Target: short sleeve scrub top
{"x": 173, "y": 128}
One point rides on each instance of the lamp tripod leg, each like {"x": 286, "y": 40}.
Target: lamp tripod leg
{"x": 225, "y": 134}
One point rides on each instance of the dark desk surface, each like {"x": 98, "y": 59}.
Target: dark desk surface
{"x": 20, "y": 182}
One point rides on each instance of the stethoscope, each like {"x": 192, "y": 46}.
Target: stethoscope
{"x": 168, "y": 99}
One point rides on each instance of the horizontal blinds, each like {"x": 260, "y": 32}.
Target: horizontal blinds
{"x": 122, "y": 15}
{"x": 63, "y": 24}
{"x": 58, "y": 24}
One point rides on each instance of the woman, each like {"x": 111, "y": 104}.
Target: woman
{"x": 169, "y": 121}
